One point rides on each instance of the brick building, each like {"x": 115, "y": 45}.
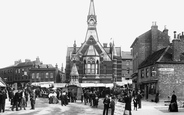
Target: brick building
{"x": 7, "y": 74}
{"x": 95, "y": 63}
{"x": 158, "y": 64}
{"x": 43, "y": 73}
{"x": 30, "y": 71}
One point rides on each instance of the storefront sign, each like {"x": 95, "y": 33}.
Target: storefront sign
{"x": 166, "y": 69}
{"x": 119, "y": 108}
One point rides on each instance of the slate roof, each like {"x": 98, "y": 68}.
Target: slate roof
{"x": 151, "y": 59}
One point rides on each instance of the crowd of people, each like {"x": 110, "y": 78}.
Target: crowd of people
{"x": 18, "y": 98}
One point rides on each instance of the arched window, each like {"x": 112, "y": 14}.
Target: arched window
{"x": 91, "y": 66}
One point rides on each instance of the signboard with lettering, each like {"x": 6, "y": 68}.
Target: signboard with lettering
{"x": 166, "y": 70}
{"x": 119, "y": 108}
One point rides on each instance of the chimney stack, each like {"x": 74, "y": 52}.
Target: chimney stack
{"x": 182, "y": 36}
{"x": 165, "y": 30}
{"x": 105, "y": 45}
{"x": 176, "y": 48}
{"x": 174, "y": 34}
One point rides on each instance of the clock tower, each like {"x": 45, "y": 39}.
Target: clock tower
{"x": 91, "y": 18}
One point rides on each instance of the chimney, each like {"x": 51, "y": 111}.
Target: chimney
{"x": 182, "y": 36}
{"x": 165, "y": 30}
{"x": 154, "y": 37}
{"x": 56, "y": 65}
{"x": 105, "y": 45}
{"x": 176, "y": 48}
{"x": 154, "y": 25}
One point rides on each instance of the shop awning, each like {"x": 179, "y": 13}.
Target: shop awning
{"x": 59, "y": 85}
{"x": 109, "y": 85}
{"x": 2, "y": 84}
{"x": 87, "y": 85}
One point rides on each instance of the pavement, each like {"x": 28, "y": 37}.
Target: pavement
{"x": 78, "y": 108}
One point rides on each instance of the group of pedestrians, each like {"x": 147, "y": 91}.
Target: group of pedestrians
{"x": 127, "y": 96}
{"x": 18, "y": 98}
{"x": 109, "y": 102}
{"x": 91, "y": 97}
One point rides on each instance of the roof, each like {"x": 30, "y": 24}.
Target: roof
{"x": 151, "y": 59}
{"x": 70, "y": 50}
{"x": 74, "y": 71}
{"x": 145, "y": 35}
{"x": 25, "y": 63}
{"x": 126, "y": 55}
{"x": 45, "y": 66}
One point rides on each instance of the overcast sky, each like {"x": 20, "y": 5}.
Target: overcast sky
{"x": 45, "y": 28}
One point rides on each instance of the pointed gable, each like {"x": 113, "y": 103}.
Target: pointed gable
{"x": 74, "y": 71}
{"x": 91, "y": 51}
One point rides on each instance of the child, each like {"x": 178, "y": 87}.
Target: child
{"x": 135, "y": 103}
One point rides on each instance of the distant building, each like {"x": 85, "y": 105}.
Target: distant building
{"x": 43, "y": 73}
{"x": 126, "y": 67}
{"x": 95, "y": 63}
{"x": 21, "y": 73}
{"x": 7, "y": 74}
{"x": 158, "y": 64}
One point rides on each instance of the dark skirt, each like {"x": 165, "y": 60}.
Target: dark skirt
{"x": 173, "y": 107}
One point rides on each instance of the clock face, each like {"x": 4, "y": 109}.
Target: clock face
{"x": 91, "y": 22}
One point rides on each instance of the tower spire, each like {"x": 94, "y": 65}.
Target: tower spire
{"x": 74, "y": 48}
{"x": 91, "y": 8}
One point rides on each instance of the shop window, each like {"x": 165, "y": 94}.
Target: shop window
{"x": 142, "y": 73}
{"x": 51, "y": 75}
{"x": 152, "y": 88}
{"x": 46, "y": 75}
{"x": 33, "y": 75}
{"x": 147, "y": 72}
{"x": 153, "y": 72}
{"x": 37, "y": 75}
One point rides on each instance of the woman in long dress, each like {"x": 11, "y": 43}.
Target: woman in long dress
{"x": 173, "y": 107}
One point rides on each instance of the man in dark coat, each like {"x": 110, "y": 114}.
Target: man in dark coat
{"x": 3, "y": 98}
{"x": 16, "y": 100}
{"x": 32, "y": 99}
{"x": 127, "y": 100}
{"x": 139, "y": 97}
{"x": 106, "y": 103}
{"x": 11, "y": 95}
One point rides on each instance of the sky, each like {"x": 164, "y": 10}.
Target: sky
{"x": 45, "y": 28}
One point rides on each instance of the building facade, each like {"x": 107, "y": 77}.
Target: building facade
{"x": 126, "y": 67}
{"x": 158, "y": 68}
{"x": 29, "y": 71}
{"x": 95, "y": 63}
{"x": 144, "y": 45}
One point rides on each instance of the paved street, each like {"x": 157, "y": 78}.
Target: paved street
{"x": 43, "y": 108}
